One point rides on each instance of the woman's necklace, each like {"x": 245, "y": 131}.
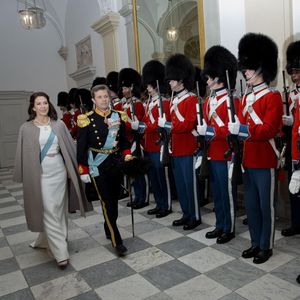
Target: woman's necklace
{"x": 45, "y": 125}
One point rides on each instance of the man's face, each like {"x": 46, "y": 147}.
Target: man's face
{"x": 295, "y": 76}
{"x": 253, "y": 77}
{"x": 101, "y": 100}
{"x": 126, "y": 92}
{"x": 152, "y": 91}
{"x": 176, "y": 86}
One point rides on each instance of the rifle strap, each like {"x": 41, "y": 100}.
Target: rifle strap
{"x": 213, "y": 105}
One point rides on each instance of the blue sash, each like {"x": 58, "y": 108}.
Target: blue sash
{"x": 94, "y": 163}
{"x": 47, "y": 145}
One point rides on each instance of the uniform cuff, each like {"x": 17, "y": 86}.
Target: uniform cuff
{"x": 126, "y": 152}
{"x": 210, "y": 133}
{"x": 244, "y": 133}
{"x": 82, "y": 169}
{"x": 142, "y": 127}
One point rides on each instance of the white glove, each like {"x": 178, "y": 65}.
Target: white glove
{"x": 234, "y": 127}
{"x": 299, "y": 130}
{"x": 201, "y": 129}
{"x": 294, "y": 185}
{"x": 287, "y": 120}
{"x": 135, "y": 125}
{"x": 85, "y": 178}
{"x": 162, "y": 121}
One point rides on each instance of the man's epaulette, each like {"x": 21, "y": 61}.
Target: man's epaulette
{"x": 273, "y": 89}
{"x": 83, "y": 120}
{"x": 123, "y": 114}
{"x": 90, "y": 113}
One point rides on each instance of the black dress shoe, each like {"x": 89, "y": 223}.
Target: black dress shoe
{"x": 290, "y": 231}
{"x": 251, "y": 252}
{"x": 262, "y": 256}
{"x": 153, "y": 211}
{"x": 180, "y": 222}
{"x": 120, "y": 250}
{"x": 192, "y": 224}
{"x": 298, "y": 279}
{"x": 225, "y": 237}
{"x": 163, "y": 213}
{"x": 129, "y": 204}
{"x": 214, "y": 233}
{"x": 140, "y": 205}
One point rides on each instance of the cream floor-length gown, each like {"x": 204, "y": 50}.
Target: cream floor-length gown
{"x": 54, "y": 193}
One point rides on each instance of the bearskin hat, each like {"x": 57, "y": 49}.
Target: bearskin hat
{"x": 258, "y": 51}
{"x": 129, "y": 77}
{"x": 72, "y": 93}
{"x": 217, "y": 60}
{"x": 112, "y": 81}
{"x": 98, "y": 81}
{"x": 62, "y": 99}
{"x": 179, "y": 67}
{"x": 154, "y": 70}
{"x": 201, "y": 82}
{"x": 293, "y": 56}
{"x": 83, "y": 99}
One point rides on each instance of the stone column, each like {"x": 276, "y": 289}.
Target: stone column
{"x": 107, "y": 27}
{"x": 126, "y": 12}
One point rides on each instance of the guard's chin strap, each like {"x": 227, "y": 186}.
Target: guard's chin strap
{"x": 256, "y": 73}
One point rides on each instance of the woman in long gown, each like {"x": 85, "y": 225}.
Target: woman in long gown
{"x": 45, "y": 159}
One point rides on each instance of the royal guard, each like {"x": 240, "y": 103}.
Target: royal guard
{"x": 293, "y": 69}
{"x": 217, "y": 62}
{"x": 129, "y": 82}
{"x": 153, "y": 74}
{"x": 180, "y": 73}
{"x": 258, "y": 124}
{"x": 75, "y": 111}
{"x": 112, "y": 83}
{"x": 62, "y": 103}
{"x": 101, "y": 148}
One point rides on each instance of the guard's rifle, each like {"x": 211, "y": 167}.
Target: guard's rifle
{"x": 233, "y": 142}
{"x": 287, "y": 130}
{"x": 202, "y": 171}
{"x": 241, "y": 88}
{"x": 136, "y": 143}
{"x": 82, "y": 106}
{"x": 163, "y": 134}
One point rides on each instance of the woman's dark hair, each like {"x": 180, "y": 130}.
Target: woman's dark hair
{"x": 32, "y": 114}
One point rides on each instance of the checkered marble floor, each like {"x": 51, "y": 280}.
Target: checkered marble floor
{"x": 163, "y": 262}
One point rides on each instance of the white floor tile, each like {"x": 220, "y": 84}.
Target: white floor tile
{"x": 61, "y": 288}
{"x": 36, "y": 257}
{"x": 13, "y": 221}
{"x": 132, "y": 287}
{"x": 9, "y": 209}
{"x": 21, "y": 237}
{"x": 200, "y": 236}
{"x": 12, "y": 282}
{"x": 269, "y": 287}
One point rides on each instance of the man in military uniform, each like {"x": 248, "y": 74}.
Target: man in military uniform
{"x": 101, "y": 148}
{"x": 293, "y": 69}
{"x": 217, "y": 61}
{"x": 180, "y": 73}
{"x": 258, "y": 124}
{"x": 130, "y": 84}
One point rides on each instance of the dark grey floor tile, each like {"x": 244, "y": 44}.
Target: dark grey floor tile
{"x": 135, "y": 244}
{"x": 79, "y": 245}
{"x": 2, "y": 187}
{"x": 289, "y": 245}
{"x": 235, "y": 274}
{"x": 8, "y": 265}
{"x": 169, "y": 274}
{"x": 3, "y": 242}
{"x": 15, "y": 229}
{"x": 19, "y": 295}
{"x": 6, "y": 204}
{"x": 15, "y": 189}
{"x": 233, "y": 296}
{"x": 87, "y": 296}
{"x": 181, "y": 246}
{"x": 105, "y": 273}
{"x": 11, "y": 215}
{"x": 123, "y": 211}
{"x": 19, "y": 197}
{"x": 288, "y": 271}
{"x": 235, "y": 247}
{"x": 44, "y": 272}
{"x": 146, "y": 226}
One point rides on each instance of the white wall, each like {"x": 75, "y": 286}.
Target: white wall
{"x": 79, "y": 17}
{"x": 296, "y": 19}
{"x": 29, "y": 59}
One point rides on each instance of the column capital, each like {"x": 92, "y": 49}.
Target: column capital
{"x": 63, "y": 52}
{"x": 107, "y": 23}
